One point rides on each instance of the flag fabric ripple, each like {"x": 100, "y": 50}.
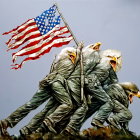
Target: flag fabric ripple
{"x": 35, "y": 37}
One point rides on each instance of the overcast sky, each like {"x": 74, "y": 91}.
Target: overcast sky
{"x": 115, "y": 23}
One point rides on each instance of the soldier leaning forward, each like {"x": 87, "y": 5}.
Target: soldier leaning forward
{"x": 51, "y": 85}
{"x": 122, "y": 94}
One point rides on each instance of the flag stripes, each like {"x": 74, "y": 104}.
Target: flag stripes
{"x": 34, "y": 38}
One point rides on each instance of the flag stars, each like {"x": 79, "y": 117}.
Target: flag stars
{"x": 47, "y": 15}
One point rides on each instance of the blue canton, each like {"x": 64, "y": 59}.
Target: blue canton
{"x": 49, "y": 16}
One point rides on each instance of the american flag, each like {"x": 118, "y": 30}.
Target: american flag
{"x": 35, "y": 37}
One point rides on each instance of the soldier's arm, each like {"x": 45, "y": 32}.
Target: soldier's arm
{"x": 113, "y": 76}
{"x": 117, "y": 93}
{"x": 78, "y": 52}
{"x": 95, "y": 58}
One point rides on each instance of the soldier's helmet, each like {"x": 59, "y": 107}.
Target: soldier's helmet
{"x": 113, "y": 57}
{"x": 131, "y": 88}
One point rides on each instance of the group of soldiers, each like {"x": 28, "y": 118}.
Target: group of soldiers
{"x": 67, "y": 109}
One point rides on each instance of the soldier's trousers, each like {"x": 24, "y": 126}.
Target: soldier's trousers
{"x": 121, "y": 114}
{"x": 92, "y": 108}
{"x": 81, "y": 107}
{"x": 57, "y": 108}
{"x": 62, "y": 96}
{"x": 37, "y": 120}
{"x": 61, "y": 115}
{"x": 39, "y": 97}
{"x": 96, "y": 90}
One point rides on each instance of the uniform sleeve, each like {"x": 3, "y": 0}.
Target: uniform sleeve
{"x": 117, "y": 93}
{"x": 77, "y": 55}
{"x": 113, "y": 76}
{"x": 91, "y": 62}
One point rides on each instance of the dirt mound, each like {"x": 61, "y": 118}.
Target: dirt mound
{"x": 88, "y": 134}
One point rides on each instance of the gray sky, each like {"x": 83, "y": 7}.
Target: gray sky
{"x": 115, "y": 23}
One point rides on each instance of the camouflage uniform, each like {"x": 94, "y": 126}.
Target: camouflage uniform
{"x": 95, "y": 82}
{"x": 74, "y": 86}
{"x": 89, "y": 62}
{"x": 52, "y": 85}
{"x": 57, "y": 81}
{"x": 39, "y": 97}
{"x": 97, "y": 75}
{"x": 122, "y": 114}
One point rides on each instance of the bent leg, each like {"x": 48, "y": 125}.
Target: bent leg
{"x": 107, "y": 105}
{"x": 37, "y": 120}
{"x": 78, "y": 117}
{"x": 39, "y": 97}
{"x": 92, "y": 108}
{"x": 121, "y": 114}
{"x": 62, "y": 96}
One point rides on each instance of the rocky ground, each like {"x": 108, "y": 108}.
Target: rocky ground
{"x": 88, "y": 134}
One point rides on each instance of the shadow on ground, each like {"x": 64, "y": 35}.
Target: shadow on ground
{"x": 88, "y": 134}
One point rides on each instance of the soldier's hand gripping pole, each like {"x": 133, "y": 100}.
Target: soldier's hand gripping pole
{"x": 52, "y": 66}
{"x": 83, "y": 99}
{"x": 81, "y": 45}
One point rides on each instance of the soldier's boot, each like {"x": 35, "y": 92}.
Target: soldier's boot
{"x": 46, "y": 126}
{"x": 69, "y": 131}
{"x": 4, "y": 124}
{"x": 113, "y": 123}
{"x": 25, "y": 131}
{"x": 97, "y": 123}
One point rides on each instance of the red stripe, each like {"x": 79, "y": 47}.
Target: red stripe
{"x": 20, "y": 37}
{"x": 64, "y": 32}
{"x": 9, "y": 40}
{"x": 15, "y": 28}
{"x": 17, "y": 66}
{"x": 30, "y": 30}
{"x": 26, "y": 33}
{"x": 28, "y": 25}
{"x": 45, "y": 37}
{"x": 31, "y": 44}
{"x": 31, "y": 37}
{"x": 28, "y": 45}
{"x": 34, "y": 36}
{"x": 55, "y": 45}
{"x": 37, "y": 49}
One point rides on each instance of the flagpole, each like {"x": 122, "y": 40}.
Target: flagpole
{"x": 66, "y": 24}
{"x": 81, "y": 55}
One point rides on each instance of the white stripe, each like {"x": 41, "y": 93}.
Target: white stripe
{"x": 48, "y": 46}
{"x": 41, "y": 43}
{"x": 61, "y": 31}
{"x": 24, "y": 31}
{"x": 31, "y": 40}
{"x": 22, "y": 26}
{"x": 19, "y": 35}
{"x": 21, "y": 41}
{"x": 54, "y": 42}
{"x": 39, "y": 38}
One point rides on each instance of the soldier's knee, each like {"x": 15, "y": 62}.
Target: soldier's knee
{"x": 55, "y": 84}
{"x": 68, "y": 106}
{"x": 30, "y": 105}
{"x": 25, "y": 131}
{"x": 111, "y": 103}
{"x": 85, "y": 106}
{"x": 43, "y": 84}
{"x": 129, "y": 115}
